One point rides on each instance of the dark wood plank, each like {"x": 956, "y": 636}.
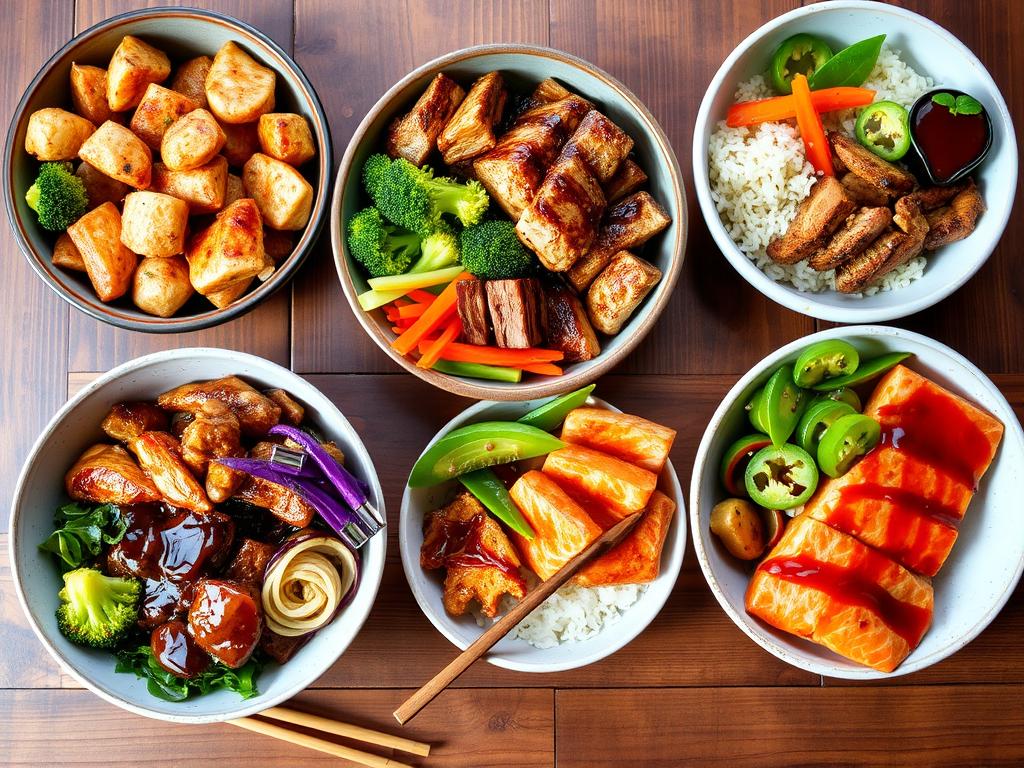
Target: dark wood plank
{"x": 735, "y": 727}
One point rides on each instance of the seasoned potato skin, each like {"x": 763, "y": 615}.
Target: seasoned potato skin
{"x": 234, "y": 189}
{"x": 161, "y": 285}
{"x": 157, "y": 111}
{"x": 56, "y": 134}
{"x": 203, "y": 188}
{"x": 238, "y": 88}
{"x": 110, "y": 265}
{"x": 120, "y": 154}
{"x": 285, "y": 136}
{"x": 66, "y": 254}
{"x": 190, "y": 79}
{"x": 230, "y": 250}
{"x": 153, "y": 224}
{"x": 99, "y": 187}
{"x": 191, "y": 141}
{"x": 89, "y": 93}
{"x": 226, "y": 296}
{"x": 738, "y": 526}
{"x": 242, "y": 142}
{"x": 134, "y": 65}
{"x": 284, "y": 197}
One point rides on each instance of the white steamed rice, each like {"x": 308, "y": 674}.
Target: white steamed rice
{"x": 760, "y": 174}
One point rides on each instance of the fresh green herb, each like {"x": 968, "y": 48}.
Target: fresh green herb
{"x": 164, "y": 685}
{"x": 850, "y": 67}
{"x": 960, "y": 105}
{"x": 82, "y": 531}
{"x": 947, "y": 100}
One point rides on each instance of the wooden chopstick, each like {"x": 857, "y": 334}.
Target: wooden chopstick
{"x": 503, "y": 626}
{"x": 347, "y": 730}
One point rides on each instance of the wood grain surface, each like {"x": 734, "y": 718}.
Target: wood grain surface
{"x": 692, "y": 689}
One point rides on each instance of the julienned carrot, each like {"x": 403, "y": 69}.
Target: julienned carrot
{"x": 421, "y": 296}
{"x": 514, "y": 358}
{"x": 411, "y": 310}
{"x": 436, "y": 347}
{"x": 543, "y": 369}
{"x": 784, "y": 107}
{"x": 811, "y": 130}
{"x": 443, "y": 307}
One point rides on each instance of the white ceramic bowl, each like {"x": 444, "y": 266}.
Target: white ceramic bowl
{"x": 930, "y": 50}
{"x": 511, "y": 653}
{"x": 40, "y": 490}
{"x": 985, "y": 564}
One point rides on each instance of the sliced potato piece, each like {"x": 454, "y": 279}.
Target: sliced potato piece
{"x": 89, "y": 93}
{"x": 192, "y": 141}
{"x": 284, "y": 197}
{"x": 286, "y": 136}
{"x": 157, "y": 111}
{"x": 120, "y": 154}
{"x": 99, "y": 187}
{"x": 66, "y": 254}
{"x": 238, "y": 88}
{"x": 153, "y": 224}
{"x": 161, "y": 285}
{"x": 190, "y": 79}
{"x": 110, "y": 265}
{"x": 203, "y": 188}
{"x": 134, "y": 65}
{"x": 56, "y": 134}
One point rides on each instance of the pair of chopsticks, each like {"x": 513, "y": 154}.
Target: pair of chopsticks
{"x": 337, "y": 728}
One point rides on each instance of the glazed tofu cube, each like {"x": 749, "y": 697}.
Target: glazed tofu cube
{"x": 190, "y": 80}
{"x": 203, "y": 188}
{"x": 285, "y": 136}
{"x": 109, "y": 264}
{"x": 627, "y": 180}
{"x": 120, "y": 154}
{"x": 414, "y": 136}
{"x": 134, "y": 65}
{"x": 600, "y": 143}
{"x": 89, "y": 93}
{"x": 561, "y": 223}
{"x": 238, "y": 88}
{"x": 56, "y": 134}
{"x": 99, "y": 187}
{"x": 241, "y": 142}
{"x": 568, "y": 327}
{"x": 191, "y": 141}
{"x": 153, "y": 224}
{"x": 470, "y": 132}
{"x": 230, "y": 250}
{"x": 618, "y": 291}
{"x": 161, "y": 286}
{"x": 284, "y": 197}
{"x": 66, "y": 254}
{"x": 159, "y": 108}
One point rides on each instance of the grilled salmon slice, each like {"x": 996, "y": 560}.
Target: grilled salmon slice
{"x": 561, "y": 527}
{"x": 621, "y": 435}
{"x": 828, "y": 587}
{"x": 608, "y": 488}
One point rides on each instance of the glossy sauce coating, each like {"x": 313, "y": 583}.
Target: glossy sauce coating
{"x": 176, "y": 652}
{"x": 226, "y": 620}
{"x": 462, "y": 545}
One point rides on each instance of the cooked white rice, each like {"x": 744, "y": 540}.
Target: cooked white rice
{"x": 760, "y": 174}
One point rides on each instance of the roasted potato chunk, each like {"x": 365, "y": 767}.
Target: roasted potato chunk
{"x": 225, "y": 297}
{"x": 190, "y": 80}
{"x": 134, "y": 65}
{"x": 191, "y": 141}
{"x": 161, "y": 285}
{"x": 66, "y": 254}
{"x": 414, "y": 136}
{"x": 234, "y": 189}
{"x": 470, "y": 132}
{"x": 120, "y": 154}
{"x": 129, "y": 420}
{"x": 157, "y": 111}
{"x": 286, "y": 136}
{"x": 153, "y": 224}
{"x": 284, "y": 197}
{"x": 230, "y": 250}
{"x": 618, "y": 291}
{"x": 109, "y": 264}
{"x": 238, "y": 88}
{"x": 107, "y": 474}
{"x": 56, "y": 134}
{"x": 89, "y": 93}
{"x": 99, "y": 187}
{"x": 241, "y": 142}
{"x": 203, "y": 188}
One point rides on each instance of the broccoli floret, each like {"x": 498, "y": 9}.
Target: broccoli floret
{"x": 374, "y": 171}
{"x": 438, "y": 250}
{"x": 413, "y": 198}
{"x": 97, "y": 610}
{"x": 383, "y": 249}
{"x": 491, "y": 251}
{"x": 58, "y": 196}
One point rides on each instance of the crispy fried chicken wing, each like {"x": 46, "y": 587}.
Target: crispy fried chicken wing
{"x": 820, "y": 214}
{"x": 256, "y": 413}
{"x": 159, "y": 453}
{"x": 107, "y": 474}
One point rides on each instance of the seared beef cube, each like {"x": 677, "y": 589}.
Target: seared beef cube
{"x": 415, "y": 135}
{"x": 627, "y": 180}
{"x": 517, "y": 312}
{"x": 225, "y": 620}
{"x": 470, "y": 132}
{"x": 472, "y": 305}
{"x": 128, "y": 420}
{"x": 820, "y": 214}
{"x": 601, "y": 143}
{"x": 569, "y": 329}
{"x": 618, "y": 290}
{"x": 250, "y": 562}
{"x": 292, "y": 411}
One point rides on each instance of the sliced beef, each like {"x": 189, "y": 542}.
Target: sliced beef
{"x": 472, "y": 306}
{"x": 517, "y": 312}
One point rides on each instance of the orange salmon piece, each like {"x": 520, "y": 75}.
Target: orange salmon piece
{"x": 609, "y": 488}
{"x": 630, "y": 438}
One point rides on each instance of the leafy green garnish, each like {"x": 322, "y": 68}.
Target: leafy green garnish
{"x": 164, "y": 685}
{"x": 82, "y": 531}
{"x": 960, "y": 105}
{"x": 850, "y": 67}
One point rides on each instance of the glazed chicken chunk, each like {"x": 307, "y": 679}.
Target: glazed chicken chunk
{"x": 569, "y": 328}
{"x": 863, "y": 192}
{"x": 159, "y": 453}
{"x": 214, "y": 433}
{"x": 283, "y": 503}
{"x": 414, "y": 136}
{"x": 470, "y": 132}
{"x": 107, "y": 474}
{"x": 128, "y": 420}
{"x": 600, "y": 143}
{"x": 820, "y": 214}
{"x": 256, "y": 413}
{"x": 891, "y": 250}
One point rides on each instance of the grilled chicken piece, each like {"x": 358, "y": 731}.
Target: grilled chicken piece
{"x": 517, "y": 312}
{"x": 628, "y": 224}
{"x": 415, "y": 135}
{"x": 618, "y": 291}
{"x": 930, "y": 198}
{"x": 601, "y": 143}
{"x": 284, "y": 504}
{"x": 159, "y": 454}
{"x": 820, "y": 214}
{"x": 889, "y": 251}
{"x": 256, "y": 413}
{"x": 513, "y": 170}
{"x": 250, "y": 562}
{"x": 470, "y": 132}
{"x": 947, "y": 225}
{"x": 569, "y": 329}
{"x": 230, "y": 251}
{"x": 107, "y": 474}
{"x": 860, "y": 231}
{"x": 863, "y": 192}
{"x": 885, "y": 176}
{"x": 292, "y": 411}
{"x": 472, "y": 306}
{"x": 214, "y": 433}
{"x": 627, "y": 180}
{"x": 128, "y": 420}
{"x": 561, "y": 223}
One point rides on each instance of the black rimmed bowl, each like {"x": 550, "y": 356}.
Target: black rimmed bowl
{"x": 182, "y": 33}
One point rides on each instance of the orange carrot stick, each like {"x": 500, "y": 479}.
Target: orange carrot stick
{"x": 421, "y": 296}
{"x": 444, "y": 306}
{"x": 784, "y": 107}
{"x": 412, "y": 311}
{"x": 435, "y": 348}
{"x": 510, "y": 358}
{"x": 819, "y": 154}
{"x": 543, "y": 369}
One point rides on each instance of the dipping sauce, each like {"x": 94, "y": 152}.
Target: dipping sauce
{"x": 949, "y": 143}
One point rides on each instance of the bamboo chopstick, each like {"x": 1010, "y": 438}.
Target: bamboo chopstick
{"x": 347, "y": 730}
{"x": 503, "y": 626}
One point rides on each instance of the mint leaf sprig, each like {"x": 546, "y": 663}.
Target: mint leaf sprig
{"x": 958, "y": 105}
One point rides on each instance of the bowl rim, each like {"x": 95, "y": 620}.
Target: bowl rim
{"x": 542, "y": 386}
{"x": 672, "y": 556}
{"x": 116, "y": 316}
{"x": 702, "y": 463}
{"x": 806, "y": 303}
{"x": 369, "y": 580}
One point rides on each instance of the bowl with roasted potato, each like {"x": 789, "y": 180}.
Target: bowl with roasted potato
{"x": 167, "y": 169}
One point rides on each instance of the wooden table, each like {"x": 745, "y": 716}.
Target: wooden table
{"x": 692, "y": 689}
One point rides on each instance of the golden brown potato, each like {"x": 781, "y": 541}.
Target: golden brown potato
{"x": 134, "y": 65}
{"x": 159, "y": 108}
{"x": 161, "y": 286}
{"x": 284, "y": 197}
{"x": 99, "y": 187}
{"x": 190, "y": 79}
{"x": 66, "y": 254}
{"x": 110, "y": 265}
{"x": 285, "y": 136}
{"x": 230, "y": 250}
{"x": 238, "y": 88}
{"x": 56, "y": 134}
{"x": 120, "y": 154}
{"x": 234, "y": 188}
{"x": 278, "y": 245}
{"x": 242, "y": 142}
{"x": 225, "y": 297}
{"x": 89, "y": 93}
{"x": 738, "y": 525}
{"x": 618, "y": 291}
{"x": 203, "y": 188}
{"x": 191, "y": 141}
{"x": 153, "y": 224}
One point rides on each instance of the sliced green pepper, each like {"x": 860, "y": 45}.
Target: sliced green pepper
{"x": 757, "y": 411}
{"x": 866, "y": 371}
{"x": 491, "y": 492}
{"x": 818, "y": 417}
{"x": 781, "y": 476}
{"x": 553, "y": 412}
{"x": 844, "y": 395}
{"x": 735, "y": 458}
{"x": 783, "y": 403}
{"x": 884, "y": 128}
{"x": 849, "y": 438}
{"x": 825, "y": 360}
{"x": 799, "y": 54}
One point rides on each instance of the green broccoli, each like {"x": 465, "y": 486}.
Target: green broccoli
{"x": 58, "y": 196}
{"x": 438, "y": 250}
{"x": 415, "y": 199}
{"x": 97, "y": 610}
{"x": 382, "y": 248}
{"x": 491, "y": 251}
{"x": 374, "y": 171}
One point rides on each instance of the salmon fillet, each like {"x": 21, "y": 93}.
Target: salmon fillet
{"x": 608, "y": 488}
{"x": 827, "y": 587}
{"x": 630, "y": 438}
